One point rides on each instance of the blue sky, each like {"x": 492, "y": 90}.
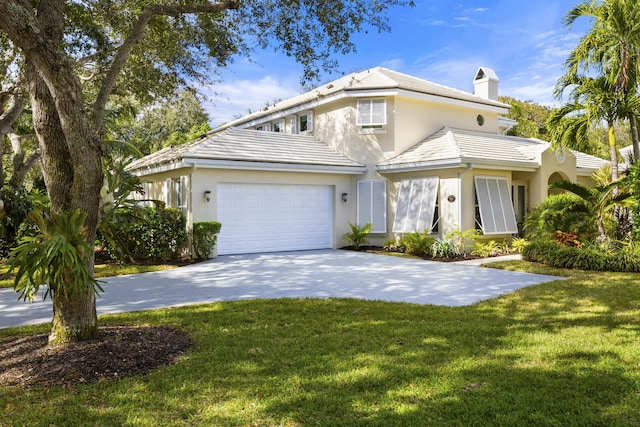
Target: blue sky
{"x": 445, "y": 42}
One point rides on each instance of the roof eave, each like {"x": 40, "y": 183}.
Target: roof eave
{"x": 273, "y": 166}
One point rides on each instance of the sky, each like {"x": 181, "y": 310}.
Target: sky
{"x": 445, "y": 42}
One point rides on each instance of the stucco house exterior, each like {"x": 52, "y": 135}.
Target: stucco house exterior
{"x": 376, "y": 146}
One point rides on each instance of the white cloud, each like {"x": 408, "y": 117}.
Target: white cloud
{"x": 233, "y": 98}
{"x": 397, "y": 64}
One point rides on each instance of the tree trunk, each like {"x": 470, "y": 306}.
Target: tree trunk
{"x": 74, "y": 317}
{"x": 614, "y": 153}
{"x": 72, "y": 170}
{"x": 635, "y": 141}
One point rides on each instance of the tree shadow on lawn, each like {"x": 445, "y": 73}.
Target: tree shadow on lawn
{"x": 554, "y": 354}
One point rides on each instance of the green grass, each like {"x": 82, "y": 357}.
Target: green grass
{"x": 565, "y": 353}
{"x": 101, "y": 270}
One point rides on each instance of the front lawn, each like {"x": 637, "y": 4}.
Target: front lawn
{"x": 561, "y": 353}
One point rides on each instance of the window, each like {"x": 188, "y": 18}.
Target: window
{"x": 176, "y": 193}
{"x": 416, "y": 207}
{"x": 495, "y": 209}
{"x": 265, "y": 127}
{"x": 372, "y": 112}
{"x": 278, "y": 126}
{"x": 305, "y": 122}
{"x": 293, "y": 124}
{"x": 372, "y": 204}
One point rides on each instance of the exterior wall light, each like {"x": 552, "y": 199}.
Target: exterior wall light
{"x": 207, "y": 196}
{"x": 345, "y": 197}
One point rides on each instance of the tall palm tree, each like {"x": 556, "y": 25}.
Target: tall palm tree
{"x": 611, "y": 48}
{"x": 593, "y": 100}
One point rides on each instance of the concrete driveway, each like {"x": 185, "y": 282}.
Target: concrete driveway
{"x": 308, "y": 274}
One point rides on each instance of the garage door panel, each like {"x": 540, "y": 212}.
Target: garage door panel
{"x": 269, "y": 218}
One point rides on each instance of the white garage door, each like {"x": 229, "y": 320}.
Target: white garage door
{"x": 270, "y": 218}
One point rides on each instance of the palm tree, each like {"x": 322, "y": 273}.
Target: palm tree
{"x": 611, "y": 48}
{"x": 600, "y": 200}
{"x": 593, "y": 100}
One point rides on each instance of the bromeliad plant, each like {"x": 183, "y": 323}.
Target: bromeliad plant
{"x": 58, "y": 252}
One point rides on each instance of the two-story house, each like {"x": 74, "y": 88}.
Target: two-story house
{"x": 376, "y": 146}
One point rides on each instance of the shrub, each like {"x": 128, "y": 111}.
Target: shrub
{"x": 626, "y": 259}
{"x": 446, "y": 248}
{"x": 487, "y": 249}
{"x": 518, "y": 244}
{"x": 157, "y": 234}
{"x": 204, "y": 237}
{"x": 358, "y": 235}
{"x": 566, "y": 212}
{"x": 419, "y": 243}
{"x": 464, "y": 240}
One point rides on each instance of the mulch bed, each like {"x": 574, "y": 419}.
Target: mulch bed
{"x": 379, "y": 249}
{"x": 118, "y": 352}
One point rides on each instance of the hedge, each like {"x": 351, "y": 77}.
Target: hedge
{"x": 586, "y": 258}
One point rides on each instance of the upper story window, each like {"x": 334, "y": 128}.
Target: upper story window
{"x": 301, "y": 123}
{"x": 265, "y": 127}
{"x": 278, "y": 126}
{"x": 372, "y": 112}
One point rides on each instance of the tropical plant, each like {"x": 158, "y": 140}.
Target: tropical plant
{"x": 564, "y": 211}
{"x": 487, "y": 249}
{"x": 445, "y": 248}
{"x": 358, "y": 235}
{"x": 56, "y": 257}
{"x": 611, "y": 49}
{"x": 418, "y": 243}
{"x": 599, "y": 200}
{"x": 464, "y": 240}
{"x": 518, "y": 244}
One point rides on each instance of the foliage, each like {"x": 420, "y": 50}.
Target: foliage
{"x": 446, "y": 248}
{"x": 55, "y": 257}
{"x": 567, "y": 239}
{"x": 418, "y": 243}
{"x": 488, "y": 249}
{"x": 175, "y": 120}
{"x": 152, "y": 234}
{"x": 634, "y": 189}
{"x": 518, "y": 244}
{"x": 358, "y": 234}
{"x": 589, "y": 257}
{"x": 204, "y": 237}
{"x": 531, "y": 118}
{"x": 567, "y": 212}
{"x": 464, "y": 240}
{"x": 16, "y": 207}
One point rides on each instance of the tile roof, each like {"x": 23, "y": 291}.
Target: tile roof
{"x": 377, "y": 78}
{"x": 455, "y": 146}
{"x": 245, "y": 145}
{"x": 588, "y": 163}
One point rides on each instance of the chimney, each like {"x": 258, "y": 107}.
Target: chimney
{"x": 485, "y": 84}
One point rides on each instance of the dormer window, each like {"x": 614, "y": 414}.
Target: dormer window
{"x": 278, "y": 126}
{"x": 302, "y": 123}
{"x": 372, "y": 112}
{"x": 265, "y": 127}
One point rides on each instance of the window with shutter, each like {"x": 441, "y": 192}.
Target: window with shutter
{"x": 494, "y": 205}
{"x": 372, "y": 204}
{"x": 372, "y": 112}
{"x": 416, "y": 206}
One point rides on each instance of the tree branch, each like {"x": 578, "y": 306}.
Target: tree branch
{"x": 99, "y": 107}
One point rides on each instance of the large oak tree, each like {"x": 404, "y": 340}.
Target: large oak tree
{"x": 79, "y": 54}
